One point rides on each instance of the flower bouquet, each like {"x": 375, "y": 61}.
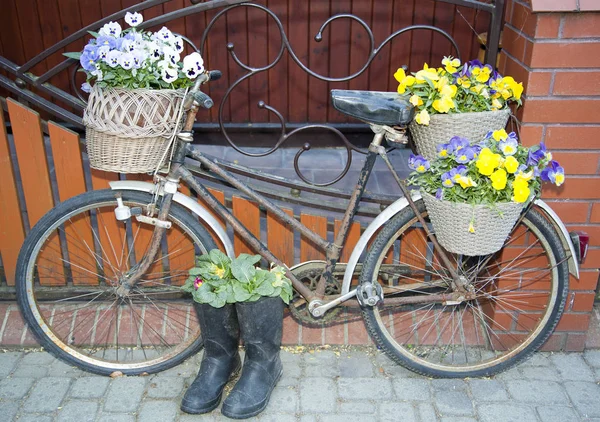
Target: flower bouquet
{"x": 474, "y": 193}
{"x": 136, "y": 83}
{"x": 465, "y": 100}
{"x": 217, "y": 280}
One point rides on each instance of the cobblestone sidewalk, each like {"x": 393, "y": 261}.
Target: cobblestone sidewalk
{"x": 325, "y": 385}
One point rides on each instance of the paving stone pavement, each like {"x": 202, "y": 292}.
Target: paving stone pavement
{"x": 318, "y": 385}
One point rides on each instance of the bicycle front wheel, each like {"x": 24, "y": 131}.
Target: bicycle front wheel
{"x": 67, "y": 276}
{"x": 520, "y": 293}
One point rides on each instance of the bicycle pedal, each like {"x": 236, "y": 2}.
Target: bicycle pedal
{"x": 369, "y": 294}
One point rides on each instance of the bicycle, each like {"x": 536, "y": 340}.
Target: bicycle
{"x": 436, "y": 313}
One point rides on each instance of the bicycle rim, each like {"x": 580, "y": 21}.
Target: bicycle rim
{"x": 71, "y": 271}
{"x": 520, "y": 294}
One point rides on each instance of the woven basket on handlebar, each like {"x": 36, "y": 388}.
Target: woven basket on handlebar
{"x": 442, "y": 127}
{"x": 128, "y": 130}
{"x": 451, "y": 222}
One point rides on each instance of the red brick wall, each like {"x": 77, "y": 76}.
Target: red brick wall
{"x": 553, "y": 46}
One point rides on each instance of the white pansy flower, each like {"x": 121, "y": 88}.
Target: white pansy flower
{"x": 194, "y": 60}
{"x": 133, "y": 19}
{"x": 128, "y": 45}
{"x": 126, "y": 61}
{"x": 191, "y": 72}
{"x": 138, "y": 58}
{"x": 154, "y": 51}
{"x": 103, "y": 51}
{"x": 163, "y": 35}
{"x": 112, "y": 29}
{"x": 171, "y": 55}
{"x": 113, "y": 57}
{"x": 178, "y": 44}
{"x": 168, "y": 75}
{"x": 163, "y": 64}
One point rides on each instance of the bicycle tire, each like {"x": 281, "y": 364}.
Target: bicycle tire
{"x": 516, "y": 309}
{"x": 67, "y": 304}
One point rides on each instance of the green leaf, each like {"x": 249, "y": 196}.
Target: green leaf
{"x": 243, "y": 269}
{"x": 240, "y": 293}
{"x": 204, "y": 294}
{"x": 220, "y": 259}
{"x": 94, "y": 34}
{"x": 108, "y": 76}
{"x": 73, "y": 55}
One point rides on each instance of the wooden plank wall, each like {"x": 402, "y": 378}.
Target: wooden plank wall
{"x": 51, "y": 169}
{"x": 27, "y": 27}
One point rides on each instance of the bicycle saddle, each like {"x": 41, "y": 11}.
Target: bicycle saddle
{"x": 383, "y": 108}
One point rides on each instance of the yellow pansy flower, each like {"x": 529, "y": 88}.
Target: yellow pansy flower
{"x": 449, "y": 91}
{"x": 500, "y": 135}
{"x": 427, "y": 73}
{"x": 443, "y": 105}
{"x": 451, "y": 64}
{"x": 400, "y": 75}
{"x": 464, "y": 82}
{"x": 516, "y": 88}
{"x": 524, "y": 176}
{"x": 521, "y": 191}
{"x": 488, "y": 162}
{"x": 422, "y": 117}
{"x": 511, "y": 164}
{"x": 416, "y": 100}
{"x": 466, "y": 182}
{"x": 496, "y": 104}
{"x": 499, "y": 179}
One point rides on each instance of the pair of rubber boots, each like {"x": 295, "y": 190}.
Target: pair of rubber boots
{"x": 260, "y": 325}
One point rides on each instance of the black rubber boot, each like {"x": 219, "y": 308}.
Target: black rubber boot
{"x": 261, "y": 325}
{"x": 221, "y": 360}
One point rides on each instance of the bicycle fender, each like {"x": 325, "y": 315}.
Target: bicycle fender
{"x": 371, "y": 229}
{"x": 564, "y": 236}
{"x": 186, "y": 202}
{"x": 402, "y": 203}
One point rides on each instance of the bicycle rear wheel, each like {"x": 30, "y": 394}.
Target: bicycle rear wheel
{"x": 520, "y": 295}
{"x": 67, "y": 277}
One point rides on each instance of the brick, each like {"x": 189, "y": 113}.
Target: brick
{"x": 577, "y": 83}
{"x": 561, "y": 110}
{"x": 592, "y": 230}
{"x": 589, "y": 5}
{"x": 595, "y": 217}
{"x": 515, "y": 43}
{"x": 335, "y": 334}
{"x": 531, "y": 134}
{"x": 591, "y": 259}
{"x": 523, "y": 19}
{"x": 561, "y": 55}
{"x": 13, "y": 332}
{"x": 554, "y": 5}
{"x": 47, "y": 394}
{"x": 573, "y": 137}
{"x": 582, "y": 302}
{"x": 312, "y": 335}
{"x": 573, "y": 322}
{"x": 588, "y": 280}
{"x": 554, "y": 343}
{"x": 581, "y": 25}
{"x": 290, "y": 331}
{"x": 571, "y": 211}
{"x": 575, "y": 342}
{"x": 538, "y": 84}
{"x": 578, "y": 162}
{"x": 574, "y": 188}
{"x": 357, "y": 333}
{"x": 547, "y": 25}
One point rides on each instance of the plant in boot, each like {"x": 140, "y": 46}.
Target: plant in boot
{"x": 222, "y": 288}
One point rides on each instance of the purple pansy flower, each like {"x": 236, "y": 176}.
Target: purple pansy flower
{"x": 465, "y": 155}
{"x": 534, "y": 157}
{"x": 88, "y": 59}
{"x": 444, "y": 150}
{"x": 448, "y": 178}
{"x": 106, "y": 40}
{"x": 457, "y": 143}
{"x": 509, "y": 145}
{"x": 439, "y": 194}
{"x": 554, "y": 173}
{"x": 418, "y": 163}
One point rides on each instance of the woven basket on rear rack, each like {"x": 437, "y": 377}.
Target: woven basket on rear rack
{"x": 128, "y": 130}
{"x": 442, "y": 127}
{"x": 451, "y": 221}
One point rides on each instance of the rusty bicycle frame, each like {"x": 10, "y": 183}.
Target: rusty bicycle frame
{"x": 317, "y": 302}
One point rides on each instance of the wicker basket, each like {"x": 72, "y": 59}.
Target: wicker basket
{"x": 128, "y": 131}
{"x": 451, "y": 222}
{"x": 442, "y": 127}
